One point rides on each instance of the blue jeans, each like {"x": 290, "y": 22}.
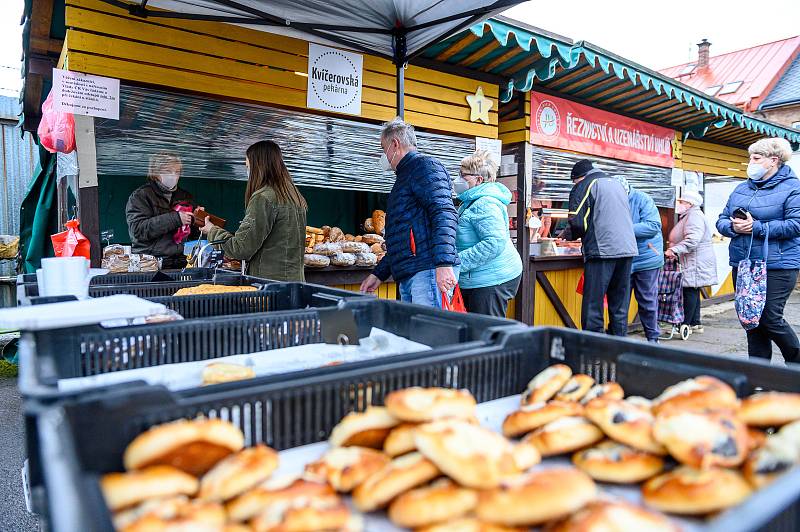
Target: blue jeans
{"x": 645, "y": 288}
{"x": 421, "y": 289}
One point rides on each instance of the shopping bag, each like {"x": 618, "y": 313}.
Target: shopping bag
{"x": 183, "y": 231}
{"x": 56, "y": 129}
{"x": 71, "y": 243}
{"x": 751, "y": 287}
{"x": 670, "y": 293}
{"x": 579, "y": 290}
{"x": 454, "y": 304}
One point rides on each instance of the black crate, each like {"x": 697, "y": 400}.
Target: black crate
{"x": 84, "y": 438}
{"x": 189, "y": 274}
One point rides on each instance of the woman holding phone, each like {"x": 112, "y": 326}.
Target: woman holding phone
{"x": 767, "y": 205}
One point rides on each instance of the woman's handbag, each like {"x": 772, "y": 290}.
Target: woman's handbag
{"x": 751, "y": 286}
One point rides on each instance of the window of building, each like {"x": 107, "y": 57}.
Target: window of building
{"x": 711, "y": 91}
{"x": 688, "y": 69}
{"x": 796, "y": 125}
{"x": 730, "y": 88}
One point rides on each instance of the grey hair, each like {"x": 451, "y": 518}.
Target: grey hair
{"x": 398, "y": 129}
{"x": 480, "y": 163}
{"x": 774, "y": 147}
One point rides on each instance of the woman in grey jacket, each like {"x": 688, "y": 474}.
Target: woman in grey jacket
{"x": 690, "y": 242}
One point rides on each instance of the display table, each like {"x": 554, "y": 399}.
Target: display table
{"x": 348, "y": 278}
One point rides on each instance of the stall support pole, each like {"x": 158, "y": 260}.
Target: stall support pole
{"x": 524, "y": 304}
{"x": 399, "y": 42}
{"x": 88, "y": 196}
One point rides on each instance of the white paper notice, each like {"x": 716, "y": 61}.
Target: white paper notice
{"x": 82, "y": 94}
{"x": 493, "y": 146}
{"x": 677, "y": 177}
{"x": 334, "y": 80}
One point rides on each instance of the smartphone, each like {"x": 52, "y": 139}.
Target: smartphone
{"x": 740, "y": 214}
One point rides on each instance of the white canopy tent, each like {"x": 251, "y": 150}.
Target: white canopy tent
{"x": 395, "y": 29}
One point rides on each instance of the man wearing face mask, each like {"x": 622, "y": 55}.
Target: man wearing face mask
{"x": 420, "y": 222}
{"x": 154, "y": 223}
{"x": 767, "y": 205}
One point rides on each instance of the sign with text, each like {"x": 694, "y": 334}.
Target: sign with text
{"x": 560, "y": 123}
{"x": 493, "y": 146}
{"x": 334, "y": 80}
{"x": 82, "y": 94}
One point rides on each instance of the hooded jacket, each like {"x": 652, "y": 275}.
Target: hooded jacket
{"x": 690, "y": 239}
{"x": 601, "y": 217}
{"x": 152, "y": 220}
{"x": 647, "y": 229}
{"x": 774, "y": 203}
{"x": 487, "y": 255}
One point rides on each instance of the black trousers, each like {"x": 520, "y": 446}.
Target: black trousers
{"x": 772, "y": 327}
{"x": 691, "y": 306}
{"x": 609, "y": 278}
{"x": 491, "y": 300}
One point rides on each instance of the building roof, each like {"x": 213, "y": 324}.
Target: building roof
{"x": 743, "y": 78}
{"x": 787, "y": 90}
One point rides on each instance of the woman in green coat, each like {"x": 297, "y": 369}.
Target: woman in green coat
{"x": 271, "y": 237}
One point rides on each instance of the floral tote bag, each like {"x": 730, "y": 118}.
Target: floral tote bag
{"x": 751, "y": 287}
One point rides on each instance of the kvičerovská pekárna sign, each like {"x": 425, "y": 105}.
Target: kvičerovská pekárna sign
{"x": 334, "y": 80}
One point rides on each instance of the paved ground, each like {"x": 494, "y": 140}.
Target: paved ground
{"x": 723, "y": 335}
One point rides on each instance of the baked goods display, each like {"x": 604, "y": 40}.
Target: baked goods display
{"x": 770, "y": 409}
{"x": 546, "y": 384}
{"x": 425, "y": 461}
{"x": 346, "y": 250}
{"x": 343, "y": 259}
{"x": 355, "y": 247}
{"x": 206, "y": 289}
{"x": 312, "y": 260}
{"x": 219, "y": 372}
{"x": 117, "y": 260}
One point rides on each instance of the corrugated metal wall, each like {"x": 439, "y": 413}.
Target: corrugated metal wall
{"x": 19, "y": 157}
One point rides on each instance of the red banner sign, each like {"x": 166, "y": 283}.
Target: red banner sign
{"x": 560, "y": 123}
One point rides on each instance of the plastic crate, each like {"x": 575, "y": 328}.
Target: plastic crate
{"x": 84, "y": 438}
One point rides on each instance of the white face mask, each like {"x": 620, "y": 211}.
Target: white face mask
{"x": 755, "y": 171}
{"x": 385, "y": 163}
{"x": 681, "y": 208}
{"x": 170, "y": 181}
{"x": 460, "y": 185}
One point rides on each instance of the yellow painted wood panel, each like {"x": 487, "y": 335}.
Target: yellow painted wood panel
{"x": 714, "y": 158}
{"x": 512, "y": 308}
{"x": 385, "y": 290}
{"x": 515, "y": 136}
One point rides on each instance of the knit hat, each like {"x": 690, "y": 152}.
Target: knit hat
{"x": 693, "y": 197}
{"x": 581, "y": 168}
{"x": 624, "y": 183}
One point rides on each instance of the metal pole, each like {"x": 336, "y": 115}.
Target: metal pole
{"x": 399, "y": 42}
{"x": 400, "y": 91}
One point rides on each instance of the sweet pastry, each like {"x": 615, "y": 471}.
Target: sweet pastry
{"x": 703, "y": 439}
{"x": 614, "y": 516}
{"x": 328, "y": 249}
{"x": 470, "y": 524}
{"x": 193, "y": 446}
{"x": 473, "y": 456}
{"x": 575, "y": 388}
{"x": 123, "y": 490}
{"x": 546, "y": 384}
{"x": 400, "y": 440}
{"x": 160, "y": 507}
{"x": 197, "y": 516}
{"x": 427, "y": 404}
{"x": 307, "y": 515}
{"x": 536, "y": 497}
{"x": 378, "y": 221}
{"x": 608, "y": 390}
{"x": 278, "y": 492}
{"x": 371, "y": 238}
{"x": 625, "y": 423}
{"x": 314, "y": 260}
{"x": 363, "y": 429}
{"x": 399, "y": 476}
{"x": 532, "y": 416}
{"x": 439, "y": 502}
{"x": 776, "y": 457}
{"x": 564, "y": 435}
{"x": 770, "y": 409}
{"x": 207, "y": 289}
{"x": 344, "y": 468}
{"x": 219, "y": 372}
{"x": 699, "y": 393}
{"x": 343, "y": 259}
{"x": 689, "y": 491}
{"x": 238, "y": 473}
{"x": 365, "y": 260}
{"x": 640, "y": 402}
{"x": 609, "y": 461}
{"x": 757, "y": 438}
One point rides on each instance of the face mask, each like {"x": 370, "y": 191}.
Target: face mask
{"x": 386, "y": 164}
{"x": 460, "y": 185}
{"x": 755, "y": 171}
{"x": 170, "y": 181}
{"x": 681, "y": 208}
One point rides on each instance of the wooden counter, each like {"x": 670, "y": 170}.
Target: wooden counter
{"x": 348, "y": 278}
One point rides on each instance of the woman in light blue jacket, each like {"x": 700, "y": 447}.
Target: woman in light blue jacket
{"x": 490, "y": 265}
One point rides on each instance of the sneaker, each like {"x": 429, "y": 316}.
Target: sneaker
{"x": 698, "y": 329}
{"x": 653, "y": 341}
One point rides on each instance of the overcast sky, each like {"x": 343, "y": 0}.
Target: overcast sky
{"x": 660, "y": 37}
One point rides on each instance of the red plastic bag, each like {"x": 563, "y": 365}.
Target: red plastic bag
{"x": 456, "y": 304}
{"x": 185, "y": 230}
{"x": 71, "y": 243}
{"x": 56, "y": 130}
{"x": 579, "y": 290}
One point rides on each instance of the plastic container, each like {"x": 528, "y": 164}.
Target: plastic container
{"x": 85, "y": 438}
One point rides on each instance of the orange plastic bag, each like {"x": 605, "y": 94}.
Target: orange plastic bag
{"x": 56, "y": 130}
{"x": 456, "y": 304}
{"x": 71, "y": 243}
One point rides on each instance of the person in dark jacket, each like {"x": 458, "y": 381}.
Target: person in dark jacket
{"x": 152, "y": 219}
{"x": 421, "y": 222}
{"x": 647, "y": 264}
{"x": 271, "y": 237}
{"x": 770, "y": 199}
{"x": 600, "y": 216}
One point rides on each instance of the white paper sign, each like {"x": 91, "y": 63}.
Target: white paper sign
{"x": 493, "y": 146}
{"x": 334, "y": 80}
{"x": 677, "y": 177}
{"x": 82, "y": 94}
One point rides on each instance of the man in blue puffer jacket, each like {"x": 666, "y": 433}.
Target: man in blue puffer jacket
{"x": 768, "y": 206}
{"x": 420, "y": 222}
{"x": 646, "y": 265}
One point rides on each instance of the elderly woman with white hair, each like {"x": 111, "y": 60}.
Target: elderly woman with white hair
{"x": 690, "y": 243}
{"x": 767, "y": 205}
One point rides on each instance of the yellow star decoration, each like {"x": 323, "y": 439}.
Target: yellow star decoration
{"x": 479, "y": 106}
